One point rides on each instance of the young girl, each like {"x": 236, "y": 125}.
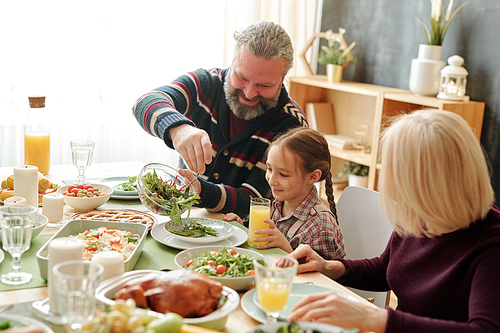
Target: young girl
{"x": 295, "y": 161}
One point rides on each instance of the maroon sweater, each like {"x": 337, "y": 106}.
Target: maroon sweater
{"x": 448, "y": 283}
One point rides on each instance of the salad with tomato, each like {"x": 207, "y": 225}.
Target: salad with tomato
{"x": 222, "y": 263}
{"x": 83, "y": 191}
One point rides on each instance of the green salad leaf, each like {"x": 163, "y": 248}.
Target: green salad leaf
{"x": 130, "y": 185}
{"x": 194, "y": 229}
{"x": 168, "y": 196}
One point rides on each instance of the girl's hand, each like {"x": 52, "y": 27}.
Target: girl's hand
{"x": 274, "y": 238}
{"x": 331, "y": 308}
{"x": 233, "y": 217}
{"x": 188, "y": 175}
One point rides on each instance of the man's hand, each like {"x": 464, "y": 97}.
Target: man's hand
{"x": 194, "y": 146}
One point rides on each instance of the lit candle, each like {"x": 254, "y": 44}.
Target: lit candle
{"x": 26, "y": 183}
{"x": 53, "y": 206}
{"x": 61, "y": 249}
{"x": 113, "y": 263}
{"x": 14, "y": 201}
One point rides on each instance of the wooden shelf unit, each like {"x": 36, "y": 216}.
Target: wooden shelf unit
{"x": 356, "y": 103}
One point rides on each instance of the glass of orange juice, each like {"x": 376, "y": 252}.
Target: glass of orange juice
{"x": 260, "y": 209}
{"x": 274, "y": 275}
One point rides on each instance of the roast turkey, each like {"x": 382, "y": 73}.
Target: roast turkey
{"x": 188, "y": 293}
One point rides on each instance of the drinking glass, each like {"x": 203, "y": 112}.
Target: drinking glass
{"x": 77, "y": 281}
{"x": 274, "y": 275}
{"x": 260, "y": 209}
{"x": 81, "y": 152}
{"x": 17, "y": 224}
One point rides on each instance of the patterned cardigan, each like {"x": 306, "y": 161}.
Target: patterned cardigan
{"x": 238, "y": 167}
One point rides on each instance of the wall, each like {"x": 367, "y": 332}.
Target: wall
{"x": 387, "y": 36}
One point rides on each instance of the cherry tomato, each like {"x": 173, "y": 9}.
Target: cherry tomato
{"x": 233, "y": 251}
{"x": 221, "y": 269}
{"x": 74, "y": 190}
{"x": 190, "y": 262}
{"x": 251, "y": 272}
{"x": 87, "y": 187}
{"x": 91, "y": 190}
{"x": 80, "y": 186}
{"x": 214, "y": 253}
{"x": 211, "y": 263}
{"x": 71, "y": 187}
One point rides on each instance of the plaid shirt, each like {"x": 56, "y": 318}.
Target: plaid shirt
{"x": 320, "y": 230}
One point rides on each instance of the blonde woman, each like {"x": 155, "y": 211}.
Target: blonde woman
{"x": 442, "y": 261}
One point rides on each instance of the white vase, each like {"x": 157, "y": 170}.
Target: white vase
{"x": 334, "y": 73}
{"x": 361, "y": 181}
{"x": 425, "y": 70}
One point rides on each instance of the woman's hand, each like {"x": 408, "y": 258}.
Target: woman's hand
{"x": 188, "y": 176}
{"x": 274, "y": 238}
{"x": 331, "y": 308}
{"x": 233, "y": 217}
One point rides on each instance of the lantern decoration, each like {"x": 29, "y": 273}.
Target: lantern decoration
{"x": 453, "y": 80}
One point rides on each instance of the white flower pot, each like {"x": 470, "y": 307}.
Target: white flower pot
{"x": 425, "y": 70}
{"x": 334, "y": 73}
{"x": 361, "y": 181}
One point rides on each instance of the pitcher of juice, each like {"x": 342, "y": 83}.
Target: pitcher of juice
{"x": 37, "y": 136}
{"x": 260, "y": 209}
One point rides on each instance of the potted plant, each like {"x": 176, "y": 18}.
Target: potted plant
{"x": 357, "y": 173}
{"x": 335, "y": 56}
{"x": 425, "y": 69}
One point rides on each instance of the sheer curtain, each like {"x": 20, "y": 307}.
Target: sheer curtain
{"x": 93, "y": 59}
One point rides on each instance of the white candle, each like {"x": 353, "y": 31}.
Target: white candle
{"x": 12, "y": 201}
{"x": 26, "y": 183}
{"x": 112, "y": 262}
{"x": 53, "y": 206}
{"x": 61, "y": 249}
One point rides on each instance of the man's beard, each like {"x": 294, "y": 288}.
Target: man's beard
{"x": 248, "y": 112}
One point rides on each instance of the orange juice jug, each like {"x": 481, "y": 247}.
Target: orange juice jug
{"x": 37, "y": 136}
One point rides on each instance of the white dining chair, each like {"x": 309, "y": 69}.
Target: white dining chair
{"x": 366, "y": 230}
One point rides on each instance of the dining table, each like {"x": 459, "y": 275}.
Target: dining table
{"x": 11, "y": 299}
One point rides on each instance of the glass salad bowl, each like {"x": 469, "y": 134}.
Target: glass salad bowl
{"x": 160, "y": 187}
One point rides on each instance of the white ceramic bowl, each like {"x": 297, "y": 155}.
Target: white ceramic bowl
{"x": 39, "y": 224}
{"x": 86, "y": 203}
{"x": 216, "y": 320}
{"x": 236, "y": 283}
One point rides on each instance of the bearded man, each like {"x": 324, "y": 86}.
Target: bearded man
{"x": 221, "y": 120}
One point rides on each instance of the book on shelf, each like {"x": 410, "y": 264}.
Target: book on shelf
{"x": 340, "y": 141}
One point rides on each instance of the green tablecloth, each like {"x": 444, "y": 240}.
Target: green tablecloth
{"x": 154, "y": 256}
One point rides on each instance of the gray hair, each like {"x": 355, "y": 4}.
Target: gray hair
{"x": 268, "y": 40}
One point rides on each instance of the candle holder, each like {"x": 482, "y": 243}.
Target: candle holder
{"x": 453, "y": 80}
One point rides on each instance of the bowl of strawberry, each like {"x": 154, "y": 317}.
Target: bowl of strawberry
{"x": 85, "y": 196}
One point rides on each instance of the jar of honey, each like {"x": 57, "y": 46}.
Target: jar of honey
{"x": 37, "y": 135}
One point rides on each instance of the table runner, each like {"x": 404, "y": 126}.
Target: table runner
{"x": 154, "y": 256}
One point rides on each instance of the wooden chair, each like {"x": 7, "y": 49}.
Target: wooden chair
{"x": 366, "y": 230}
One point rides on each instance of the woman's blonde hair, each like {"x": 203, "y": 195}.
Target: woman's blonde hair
{"x": 434, "y": 177}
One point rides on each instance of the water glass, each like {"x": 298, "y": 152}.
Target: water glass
{"x": 274, "y": 275}
{"x": 81, "y": 153}
{"x": 16, "y": 224}
{"x": 77, "y": 281}
{"x": 260, "y": 209}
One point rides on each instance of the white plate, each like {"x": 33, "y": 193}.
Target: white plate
{"x": 20, "y": 321}
{"x": 299, "y": 291}
{"x": 163, "y": 236}
{"x": 125, "y": 197}
{"x": 272, "y": 328}
{"x": 2, "y": 256}
{"x": 224, "y": 229}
